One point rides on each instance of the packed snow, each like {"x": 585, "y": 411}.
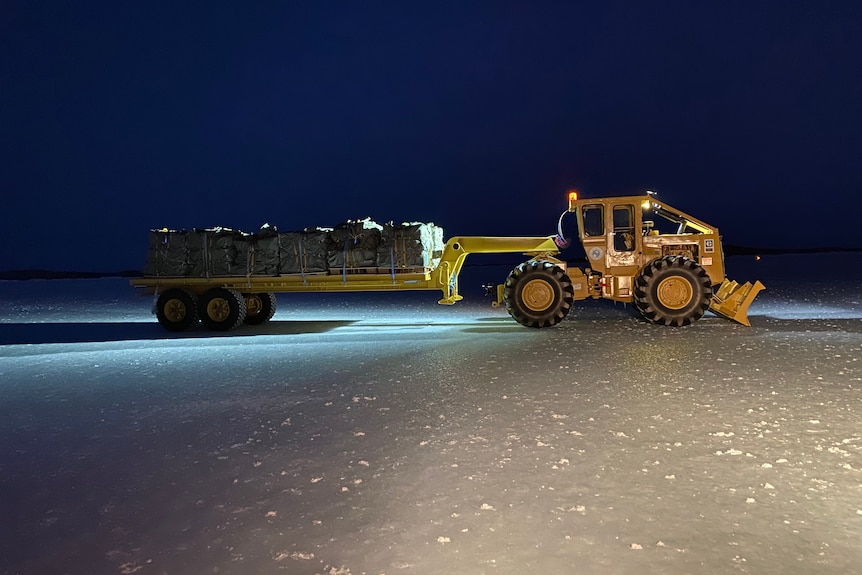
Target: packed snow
{"x": 381, "y": 433}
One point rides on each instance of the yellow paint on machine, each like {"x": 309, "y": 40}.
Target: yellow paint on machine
{"x": 639, "y": 250}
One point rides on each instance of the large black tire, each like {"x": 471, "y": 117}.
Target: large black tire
{"x": 673, "y": 290}
{"x": 176, "y": 309}
{"x": 260, "y": 307}
{"x": 222, "y": 309}
{"x": 538, "y": 294}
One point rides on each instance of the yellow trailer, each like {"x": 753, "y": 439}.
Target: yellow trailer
{"x": 672, "y": 275}
{"x": 225, "y": 302}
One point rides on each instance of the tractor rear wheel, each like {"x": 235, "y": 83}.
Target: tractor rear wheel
{"x": 538, "y": 294}
{"x": 222, "y": 309}
{"x": 260, "y": 307}
{"x": 176, "y": 309}
{"x": 672, "y": 290}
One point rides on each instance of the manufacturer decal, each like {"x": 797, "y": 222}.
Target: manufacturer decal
{"x": 709, "y": 246}
{"x": 596, "y": 253}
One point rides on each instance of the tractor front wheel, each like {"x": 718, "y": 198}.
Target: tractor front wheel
{"x": 672, "y": 290}
{"x": 538, "y": 294}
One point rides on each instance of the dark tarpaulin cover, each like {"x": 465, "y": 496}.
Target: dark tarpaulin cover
{"x": 219, "y": 252}
{"x": 167, "y": 253}
{"x": 410, "y": 245}
{"x": 354, "y": 243}
{"x": 267, "y": 251}
{"x": 305, "y": 251}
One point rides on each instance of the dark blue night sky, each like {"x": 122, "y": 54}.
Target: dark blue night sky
{"x": 118, "y": 117}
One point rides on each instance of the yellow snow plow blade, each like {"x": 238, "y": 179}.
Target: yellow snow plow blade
{"x": 731, "y": 301}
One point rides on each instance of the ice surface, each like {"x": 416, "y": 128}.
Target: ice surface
{"x": 382, "y": 433}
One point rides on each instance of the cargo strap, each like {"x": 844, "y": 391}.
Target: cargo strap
{"x": 206, "y": 255}
{"x": 301, "y": 256}
{"x": 249, "y": 262}
{"x": 344, "y": 265}
{"x": 392, "y": 259}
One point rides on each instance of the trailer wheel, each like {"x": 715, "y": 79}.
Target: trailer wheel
{"x": 176, "y": 309}
{"x": 222, "y": 309}
{"x": 672, "y": 290}
{"x": 260, "y": 307}
{"x": 538, "y": 294}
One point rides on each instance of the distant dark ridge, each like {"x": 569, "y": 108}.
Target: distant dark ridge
{"x": 52, "y": 275}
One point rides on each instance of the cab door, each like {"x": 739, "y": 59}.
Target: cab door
{"x": 623, "y": 245}
{"x": 622, "y": 238}
{"x": 593, "y": 236}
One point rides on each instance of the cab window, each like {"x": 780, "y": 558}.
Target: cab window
{"x": 624, "y": 228}
{"x": 594, "y": 220}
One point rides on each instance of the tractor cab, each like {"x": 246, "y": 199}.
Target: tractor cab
{"x": 621, "y": 235}
{"x": 665, "y": 261}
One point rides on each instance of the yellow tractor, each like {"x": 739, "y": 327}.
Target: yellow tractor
{"x": 639, "y": 250}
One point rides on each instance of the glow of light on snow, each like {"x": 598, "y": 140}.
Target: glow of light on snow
{"x": 805, "y": 311}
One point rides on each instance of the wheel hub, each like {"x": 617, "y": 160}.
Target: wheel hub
{"x": 537, "y": 295}
{"x": 675, "y": 292}
{"x": 218, "y": 309}
{"x": 253, "y": 305}
{"x": 175, "y": 310}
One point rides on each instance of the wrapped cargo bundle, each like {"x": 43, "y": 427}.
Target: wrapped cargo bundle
{"x": 410, "y": 245}
{"x": 168, "y": 253}
{"x": 267, "y": 251}
{"x": 354, "y": 243}
{"x": 305, "y": 251}
{"x": 242, "y": 263}
{"x": 218, "y": 252}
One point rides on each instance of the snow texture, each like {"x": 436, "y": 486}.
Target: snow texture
{"x": 381, "y": 433}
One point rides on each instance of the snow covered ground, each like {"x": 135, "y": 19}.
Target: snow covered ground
{"x": 382, "y": 433}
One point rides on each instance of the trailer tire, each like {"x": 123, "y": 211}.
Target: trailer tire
{"x": 222, "y": 309}
{"x": 538, "y": 293}
{"x": 673, "y": 290}
{"x": 260, "y": 307}
{"x": 176, "y": 309}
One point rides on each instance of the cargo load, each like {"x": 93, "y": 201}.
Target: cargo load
{"x": 410, "y": 245}
{"x": 266, "y": 251}
{"x": 218, "y": 252}
{"x": 353, "y": 244}
{"x": 167, "y": 253}
{"x": 304, "y": 252}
